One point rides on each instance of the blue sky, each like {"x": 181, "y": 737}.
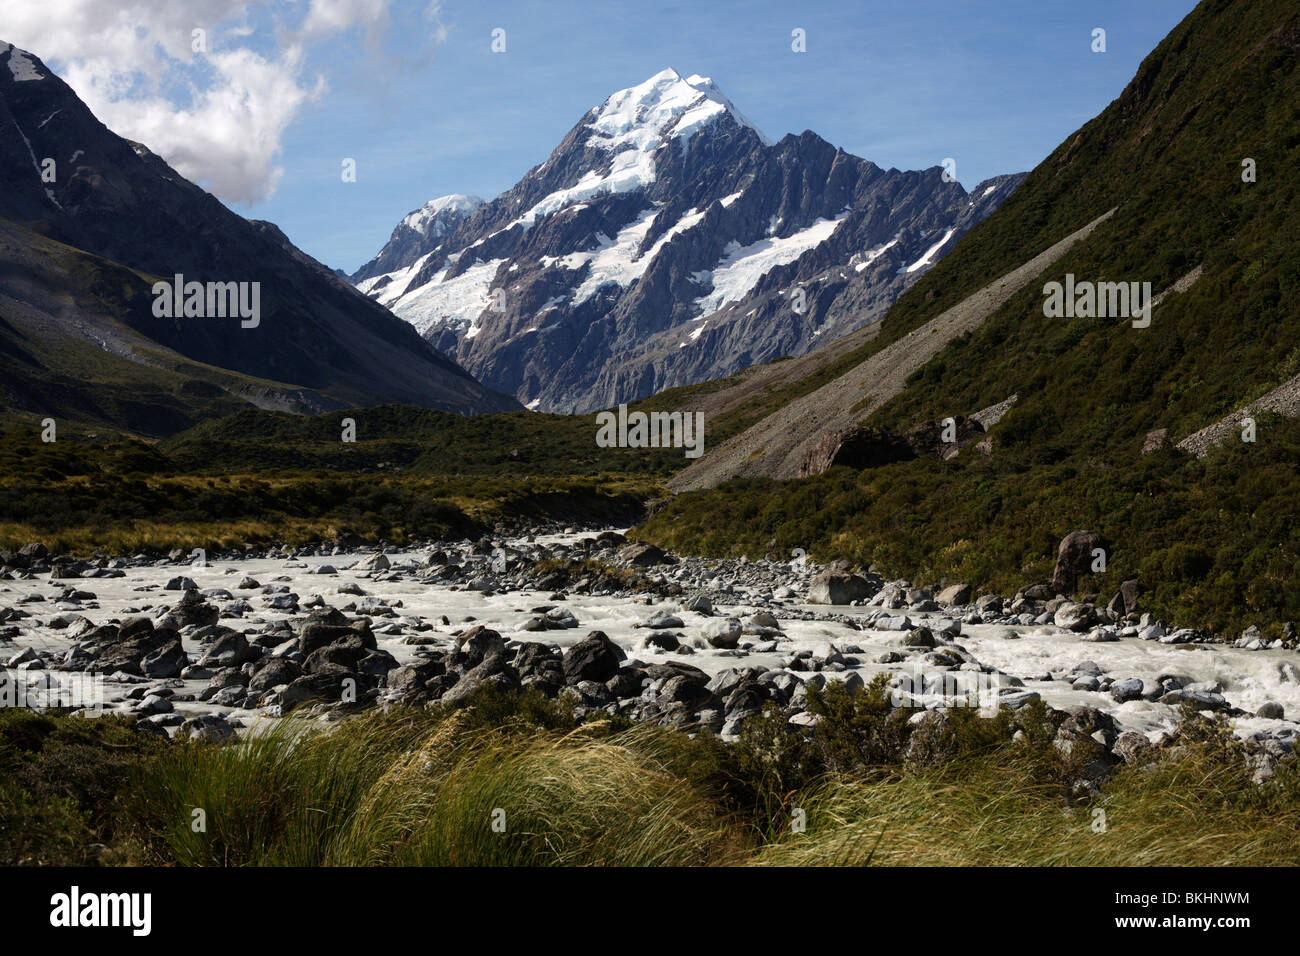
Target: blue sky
{"x": 411, "y": 90}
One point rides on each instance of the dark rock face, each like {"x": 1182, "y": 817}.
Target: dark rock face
{"x": 192, "y": 612}
{"x": 158, "y": 648}
{"x": 273, "y": 672}
{"x": 943, "y": 438}
{"x": 168, "y": 660}
{"x": 229, "y": 650}
{"x": 420, "y": 681}
{"x": 870, "y": 447}
{"x": 596, "y": 658}
{"x": 1128, "y": 592}
{"x": 476, "y": 645}
{"x": 346, "y": 653}
{"x": 1074, "y": 558}
{"x": 858, "y": 448}
{"x": 117, "y": 200}
{"x": 134, "y": 626}
{"x": 327, "y": 684}
{"x": 330, "y": 627}
{"x": 540, "y": 666}
{"x": 581, "y": 297}
{"x": 492, "y": 669}
{"x": 919, "y": 637}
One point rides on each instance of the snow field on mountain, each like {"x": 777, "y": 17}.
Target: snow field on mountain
{"x": 924, "y": 261}
{"x": 742, "y": 266}
{"x": 458, "y": 300}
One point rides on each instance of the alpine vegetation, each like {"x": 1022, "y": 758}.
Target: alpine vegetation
{"x": 651, "y": 430}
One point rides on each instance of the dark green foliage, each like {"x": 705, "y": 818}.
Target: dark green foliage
{"x": 90, "y": 491}
{"x": 60, "y": 778}
{"x": 401, "y": 438}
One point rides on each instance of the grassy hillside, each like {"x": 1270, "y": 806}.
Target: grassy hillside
{"x": 1222, "y": 87}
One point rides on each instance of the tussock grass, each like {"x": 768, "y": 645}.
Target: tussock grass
{"x": 515, "y": 780}
{"x": 416, "y": 790}
{"x": 1189, "y": 811}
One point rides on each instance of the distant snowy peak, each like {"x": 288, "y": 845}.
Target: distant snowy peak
{"x": 439, "y": 216}
{"x": 664, "y": 107}
{"x": 420, "y": 232}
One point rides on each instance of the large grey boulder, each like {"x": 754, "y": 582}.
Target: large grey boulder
{"x": 723, "y": 632}
{"x": 955, "y": 594}
{"x": 642, "y": 555}
{"x": 842, "y": 587}
{"x": 1075, "y": 617}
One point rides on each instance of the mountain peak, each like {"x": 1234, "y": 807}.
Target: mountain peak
{"x": 454, "y": 206}
{"x": 666, "y": 106}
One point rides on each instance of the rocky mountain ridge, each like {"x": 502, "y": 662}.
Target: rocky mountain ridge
{"x": 664, "y": 242}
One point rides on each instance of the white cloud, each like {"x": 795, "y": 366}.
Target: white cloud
{"x": 219, "y": 117}
{"x": 333, "y": 16}
{"x": 433, "y": 13}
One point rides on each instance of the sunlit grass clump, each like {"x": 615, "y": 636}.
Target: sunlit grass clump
{"x": 1186, "y": 812}
{"x": 410, "y": 790}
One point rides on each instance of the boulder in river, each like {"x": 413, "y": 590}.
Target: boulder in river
{"x": 842, "y": 587}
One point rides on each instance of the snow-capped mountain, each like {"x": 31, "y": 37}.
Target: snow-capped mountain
{"x": 666, "y": 241}
{"x": 430, "y": 223}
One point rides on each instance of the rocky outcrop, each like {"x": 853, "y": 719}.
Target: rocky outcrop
{"x": 1074, "y": 558}
{"x": 842, "y": 587}
{"x": 943, "y": 438}
{"x": 857, "y": 447}
{"x": 862, "y": 447}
